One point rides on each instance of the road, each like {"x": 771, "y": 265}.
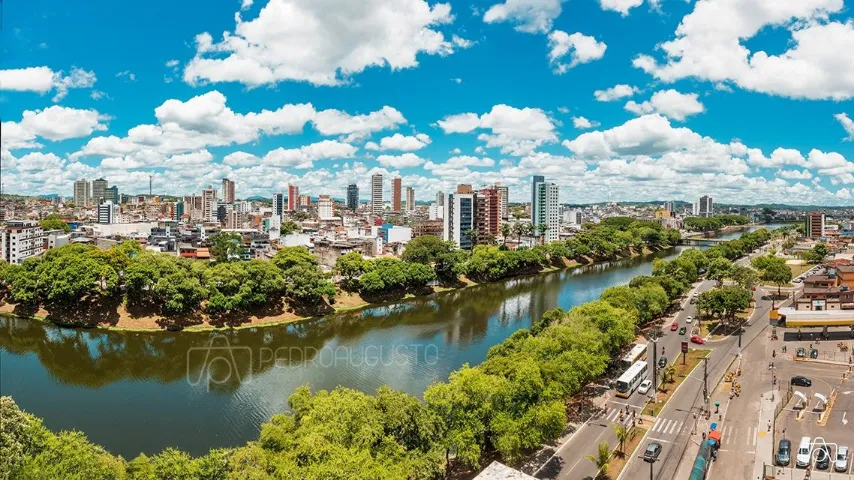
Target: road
{"x": 569, "y": 461}
{"x": 689, "y": 400}
{"x": 673, "y": 426}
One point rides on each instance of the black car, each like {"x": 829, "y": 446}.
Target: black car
{"x": 784, "y": 452}
{"x": 662, "y": 361}
{"x": 822, "y": 457}
{"x": 801, "y": 381}
{"x": 652, "y": 452}
{"x": 802, "y": 352}
{"x": 813, "y": 353}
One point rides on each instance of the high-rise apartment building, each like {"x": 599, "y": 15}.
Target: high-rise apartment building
{"x": 464, "y": 188}
{"x": 410, "y": 199}
{"x": 503, "y": 199}
{"x": 99, "y": 191}
{"x": 279, "y": 205}
{"x": 293, "y": 198}
{"x": 209, "y": 205}
{"x": 487, "y": 214}
{"x": 113, "y": 194}
{"x": 670, "y": 206}
{"x": 545, "y": 210}
{"x": 82, "y": 193}
{"x": 704, "y": 207}
{"x": 227, "y": 191}
{"x": 535, "y": 181}
{"x": 377, "y": 194}
{"x": 304, "y": 202}
{"x": 20, "y": 240}
{"x": 395, "y": 194}
{"x": 459, "y": 219}
{"x": 815, "y": 225}
{"x": 440, "y": 198}
{"x": 232, "y": 220}
{"x": 108, "y": 212}
{"x": 325, "y": 207}
{"x": 177, "y": 210}
{"x": 353, "y": 196}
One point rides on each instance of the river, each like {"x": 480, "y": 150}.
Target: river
{"x": 142, "y": 392}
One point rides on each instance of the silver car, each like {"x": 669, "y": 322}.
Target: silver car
{"x": 841, "y": 463}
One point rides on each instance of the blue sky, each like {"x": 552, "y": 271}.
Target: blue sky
{"x": 748, "y": 101}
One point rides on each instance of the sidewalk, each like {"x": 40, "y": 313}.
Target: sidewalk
{"x": 765, "y": 443}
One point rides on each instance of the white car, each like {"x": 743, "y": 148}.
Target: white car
{"x": 804, "y": 452}
{"x": 841, "y": 464}
{"x": 644, "y": 386}
{"x": 689, "y": 319}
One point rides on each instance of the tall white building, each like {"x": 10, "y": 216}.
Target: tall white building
{"x": 460, "y": 218}
{"x": 108, "y": 213}
{"x": 410, "y": 199}
{"x": 572, "y": 217}
{"x": 21, "y": 239}
{"x": 545, "y": 209}
{"x": 704, "y": 207}
{"x": 209, "y": 205}
{"x": 440, "y": 198}
{"x": 503, "y": 196}
{"x": 377, "y": 194}
{"x": 81, "y": 193}
{"x": 435, "y": 212}
{"x": 324, "y": 207}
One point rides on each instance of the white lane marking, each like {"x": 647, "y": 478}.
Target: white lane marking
{"x": 659, "y": 440}
{"x": 655, "y": 426}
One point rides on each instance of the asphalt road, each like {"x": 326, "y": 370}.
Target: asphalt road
{"x": 571, "y": 461}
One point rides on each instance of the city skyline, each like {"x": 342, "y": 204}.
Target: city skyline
{"x": 580, "y": 94}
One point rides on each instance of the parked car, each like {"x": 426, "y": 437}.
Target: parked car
{"x": 841, "y": 463}
{"x": 674, "y": 326}
{"x": 696, "y": 294}
{"x": 813, "y": 353}
{"x": 697, "y": 339}
{"x": 662, "y": 362}
{"x": 801, "y": 381}
{"x": 693, "y": 300}
{"x": 784, "y": 452}
{"x": 652, "y": 452}
{"x": 689, "y": 319}
{"x": 822, "y": 458}
{"x": 644, "y": 386}
{"x": 682, "y": 331}
{"x": 802, "y": 352}
{"x": 804, "y": 452}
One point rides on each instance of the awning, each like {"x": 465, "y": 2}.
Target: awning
{"x": 715, "y": 435}
{"x": 801, "y": 396}
{"x": 821, "y": 397}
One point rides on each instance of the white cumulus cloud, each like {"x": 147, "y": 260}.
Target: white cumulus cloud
{"x": 669, "y": 103}
{"x": 516, "y": 131}
{"x": 615, "y": 93}
{"x": 530, "y": 16}
{"x": 847, "y": 124}
{"x": 581, "y": 49}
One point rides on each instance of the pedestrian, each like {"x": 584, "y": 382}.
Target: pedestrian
{"x": 769, "y": 425}
{"x": 784, "y": 433}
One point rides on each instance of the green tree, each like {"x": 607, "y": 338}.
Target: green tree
{"x": 54, "y": 222}
{"x": 506, "y": 230}
{"x": 226, "y": 246}
{"x": 289, "y": 227}
{"x": 426, "y": 249}
{"x": 724, "y": 302}
{"x": 622, "y": 435}
{"x": 22, "y": 437}
{"x": 719, "y": 269}
{"x": 601, "y": 459}
{"x": 350, "y": 267}
{"x": 70, "y": 456}
{"x": 774, "y": 270}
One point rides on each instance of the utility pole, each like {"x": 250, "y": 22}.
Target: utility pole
{"x": 706, "y": 382}
{"x": 654, "y": 370}
{"x": 650, "y": 470}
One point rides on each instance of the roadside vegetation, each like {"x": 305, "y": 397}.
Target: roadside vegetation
{"x": 511, "y": 404}
{"x": 715, "y": 222}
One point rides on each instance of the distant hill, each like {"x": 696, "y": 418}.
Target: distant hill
{"x": 259, "y": 198}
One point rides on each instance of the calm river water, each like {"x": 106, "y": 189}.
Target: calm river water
{"x": 143, "y": 392}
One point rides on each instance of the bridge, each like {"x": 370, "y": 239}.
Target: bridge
{"x": 700, "y": 241}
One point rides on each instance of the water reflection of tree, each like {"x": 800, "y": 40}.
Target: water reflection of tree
{"x": 95, "y": 358}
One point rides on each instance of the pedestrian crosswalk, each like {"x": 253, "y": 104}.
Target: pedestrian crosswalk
{"x": 664, "y": 426}
{"x": 613, "y": 415}
{"x": 733, "y": 435}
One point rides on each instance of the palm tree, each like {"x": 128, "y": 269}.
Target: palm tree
{"x": 472, "y": 233}
{"x": 541, "y": 232}
{"x": 668, "y": 373}
{"x": 601, "y": 459}
{"x": 505, "y": 232}
{"x": 622, "y": 435}
{"x": 519, "y": 230}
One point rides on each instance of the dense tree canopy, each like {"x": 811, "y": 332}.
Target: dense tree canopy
{"x": 54, "y": 222}
{"x": 714, "y": 222}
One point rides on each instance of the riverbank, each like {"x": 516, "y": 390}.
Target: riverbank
{"x": 119, "y": 318}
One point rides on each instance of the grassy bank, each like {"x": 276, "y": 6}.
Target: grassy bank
{"x": 121, "y": 319}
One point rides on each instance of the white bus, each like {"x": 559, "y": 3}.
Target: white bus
{"x": 629, "y": 381}
{"x": 638, "y": 352}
